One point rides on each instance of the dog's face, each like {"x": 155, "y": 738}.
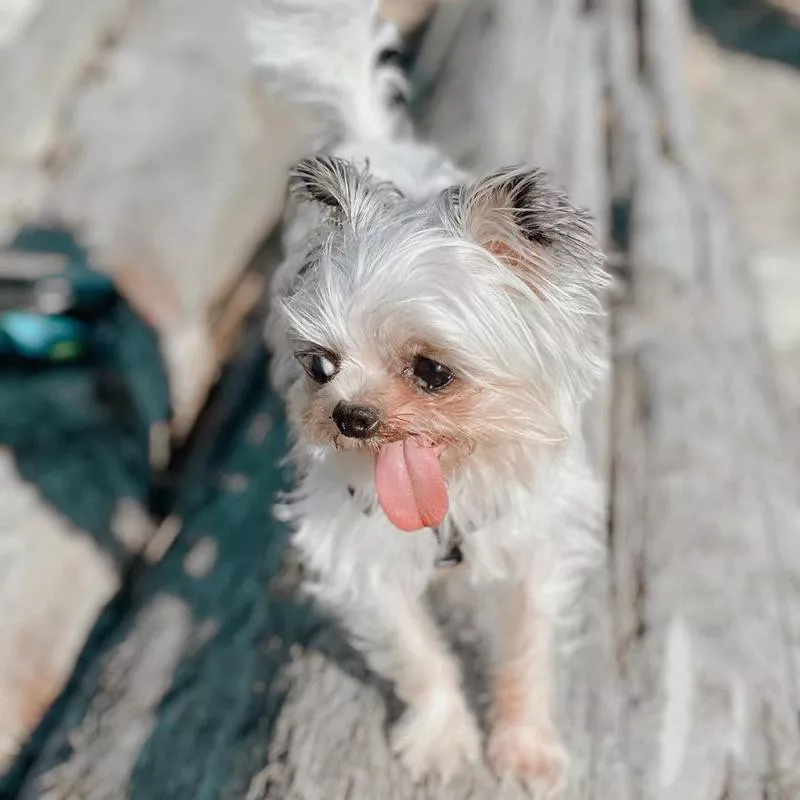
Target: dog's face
{"x": 436, "y": 334}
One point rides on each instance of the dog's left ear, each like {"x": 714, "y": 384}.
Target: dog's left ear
{"x": 522, "y": 217}
{"x": 329, "y": 180}
{"x": 340, "y": 185}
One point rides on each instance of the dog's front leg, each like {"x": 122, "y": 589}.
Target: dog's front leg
{"x": 391, "y": 627}
{"x": 523, "y": 740}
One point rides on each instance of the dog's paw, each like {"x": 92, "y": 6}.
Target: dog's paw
{"x": 436, "y": 738}
{"x": 534, "y": 757}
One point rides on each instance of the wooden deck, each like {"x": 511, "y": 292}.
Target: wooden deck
{"x": 188, "y": 669}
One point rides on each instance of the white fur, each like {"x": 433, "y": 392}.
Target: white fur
{"x": 320, "y": 53}
{"x": 402, "y": 254}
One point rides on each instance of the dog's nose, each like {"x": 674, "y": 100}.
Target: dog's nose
{"x": 354, "y": 421}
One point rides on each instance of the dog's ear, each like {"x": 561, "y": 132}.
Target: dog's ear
{"x": 520, "y": 216}
{"x": 340, "y": 185}
{"x": 329, "y": 180}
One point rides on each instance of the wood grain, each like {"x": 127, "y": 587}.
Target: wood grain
{"x": 138, "y": 124}
{"x": 705, "y": 513}
{"x": 43, "y": 57}
{"x": 175, "y": 170}
{"x": 143, "y": 126}
{"x": 682, "y": 683}
{"x": 44, "y": 559}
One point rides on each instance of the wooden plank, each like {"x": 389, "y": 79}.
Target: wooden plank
{"x": 46, "y": 49}
{"x": 158, "y": 147}
{"x": 14, "y": 16}
{"x": 501, "y": 65}
{"x": 72, "y": 521}
{"x": 40, "y": 66}
{"x": 44, "y": 621}
{"x": 180, "y": 702}
{"x": 708, "y": 598}
{"x": 169, "y": 164}
{"x": 591, "y": 683}
{"x": 621, "y": 57}
{"x": 174, "y": 171}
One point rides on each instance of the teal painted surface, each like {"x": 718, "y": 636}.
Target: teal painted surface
{"x": 755, "y": 27}
{"x": 212, "y": 727}
{"x": 77, "y": 431}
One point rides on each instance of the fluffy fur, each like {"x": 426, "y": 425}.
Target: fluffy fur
{"x": 393, "y": 253}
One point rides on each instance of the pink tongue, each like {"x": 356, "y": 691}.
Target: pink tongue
{"x": 410, "y": 485}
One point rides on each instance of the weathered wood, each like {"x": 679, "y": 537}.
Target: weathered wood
{"x": 174, "y": 170}
{"x": 72, "y": 521}
{"x": 590, "y": 681}
{"x": 43, "y": 559}
{"x": 706, "y": 598}
{"x": 744, "y": 108}
{"x": 46, "y": 48}
{"x": 136, "y": 679}
{"x": 40, "y": 66}
{"x": 140, "y": 125}
{"x": 186, "y": 700}
{"x": 477, "y": 114}
{"x": 180, "y": 702}
{"x": 621, "y": 67}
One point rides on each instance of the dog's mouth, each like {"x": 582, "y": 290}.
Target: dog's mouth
{"x": 410, "y": 484}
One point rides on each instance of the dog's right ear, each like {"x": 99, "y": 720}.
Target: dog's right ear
{"x": 341, "y": 186}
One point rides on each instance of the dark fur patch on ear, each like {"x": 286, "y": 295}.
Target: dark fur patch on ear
{"x": 450, "y": 199}
{"x": 541, "y": 212}
{"x": 520, "y": 186}
{"x": 539, "y": 207}
{"x": 349, "y": 191}
{"x": 323, "y": 178}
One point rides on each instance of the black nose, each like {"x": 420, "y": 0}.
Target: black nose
{"x": 357, "y": 422}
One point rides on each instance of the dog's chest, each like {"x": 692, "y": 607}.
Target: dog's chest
{"x": 449, "y": 536}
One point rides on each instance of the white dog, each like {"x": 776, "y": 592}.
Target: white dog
{"x": 435, "y": 337}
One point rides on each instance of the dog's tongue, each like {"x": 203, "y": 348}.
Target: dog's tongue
{"x": 410, "y": 485}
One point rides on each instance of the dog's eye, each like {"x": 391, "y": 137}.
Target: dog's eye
{"x": 320, "y": 366}
{"x": 430, "y": 375}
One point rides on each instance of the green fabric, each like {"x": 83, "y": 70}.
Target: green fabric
{"x": 79, "y": 431}
{"x": 755, "y": 27}
{"x": 79, "y": 434}
{"x": 84, "y": 456}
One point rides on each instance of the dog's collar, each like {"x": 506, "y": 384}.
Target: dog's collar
{"x": 449, "y": 553}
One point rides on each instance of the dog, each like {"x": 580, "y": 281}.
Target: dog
{"x": 435, "y": 336}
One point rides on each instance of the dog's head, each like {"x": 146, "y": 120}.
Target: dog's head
{"x": 443, "y": 334}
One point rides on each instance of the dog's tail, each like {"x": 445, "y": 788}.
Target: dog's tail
{"x": 332, "y": 58}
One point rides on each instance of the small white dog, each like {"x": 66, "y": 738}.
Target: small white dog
{"x": 435, "y": 337}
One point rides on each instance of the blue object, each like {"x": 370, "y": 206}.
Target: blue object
{"x": 46, "y": 314}
{"x": 41, "y": 337}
